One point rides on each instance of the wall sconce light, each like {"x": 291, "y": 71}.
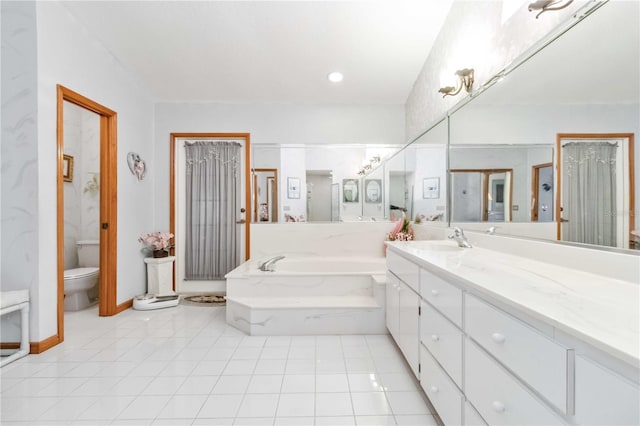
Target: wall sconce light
{"x": 465, "y": 77}
{"x": 546, "y": 5}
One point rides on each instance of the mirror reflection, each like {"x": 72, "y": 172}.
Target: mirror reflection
{"x": 426, "y": 165}
{"x": 265, "y": 195}
{"x": 320, "y": 183}
{"x": 546, "y": 133}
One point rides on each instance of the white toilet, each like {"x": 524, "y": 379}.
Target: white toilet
{"x": 80, "y": 281}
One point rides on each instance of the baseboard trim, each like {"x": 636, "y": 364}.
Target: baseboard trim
{"x": 43, "y": 345}
{"x": 9, "y": 345}
{"x": 124, "y": 306}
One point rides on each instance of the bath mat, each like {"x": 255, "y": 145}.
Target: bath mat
{"x": 205, "y": 300}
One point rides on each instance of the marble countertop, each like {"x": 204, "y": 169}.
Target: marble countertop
{"x": 601, "y": 311}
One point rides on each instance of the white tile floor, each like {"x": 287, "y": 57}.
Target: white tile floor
{"x": 185, "y": 366}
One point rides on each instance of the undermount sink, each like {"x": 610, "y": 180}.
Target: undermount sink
{"x": 439, "y": 245}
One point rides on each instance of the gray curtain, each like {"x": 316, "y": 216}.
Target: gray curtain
{"x": 212, "y": 199}
{"x": 589, "y": 192}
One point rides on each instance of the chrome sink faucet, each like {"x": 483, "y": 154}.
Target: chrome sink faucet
{"x": 458, "y": 236}
{"x": 267, "y": 265}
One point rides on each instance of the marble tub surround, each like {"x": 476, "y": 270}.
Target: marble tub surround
{"x": 603, "y": 312}
{"x": 329, "y": 296}
{"x": 334, "y": 239}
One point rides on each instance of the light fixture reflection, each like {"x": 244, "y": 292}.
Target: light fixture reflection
{"x": 465, "y": 79}
{"x": 367, "y": 167}
{"x": 546, "y": 5}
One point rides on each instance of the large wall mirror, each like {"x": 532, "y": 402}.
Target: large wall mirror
{"x": 322, "y": 183}
{"x": 563, "y": 122}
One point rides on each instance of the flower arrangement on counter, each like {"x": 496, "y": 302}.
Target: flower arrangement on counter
{"x": 158, "y": 242}
{"x": 402, "y": 231}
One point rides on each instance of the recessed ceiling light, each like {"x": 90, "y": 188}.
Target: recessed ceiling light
{"x": 335, "y": 77}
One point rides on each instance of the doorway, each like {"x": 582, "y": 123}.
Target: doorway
{"x": 107, "y": 188}
{"x": 319, "y": 187}
{"x": 481, "y": 195}
{"x": 595, "y": 200}
{"x": 542, "y": 192}
{"x": 265, "y": 195}
{"x": 177, "y": 206}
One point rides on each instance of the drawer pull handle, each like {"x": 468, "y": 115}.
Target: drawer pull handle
{"x": 498, "y": 337}
{"x": 435, "y": 292}
{"x": 498, "y": 406}
{"x": 434, "y": 389}
{"x": 435, "y": 337}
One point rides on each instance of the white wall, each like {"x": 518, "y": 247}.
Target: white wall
{"x": 475, "y": 35}
{"x": 66, "y": 54}
{"x": 272, "y": 123}
{"x": 19, "y": 256}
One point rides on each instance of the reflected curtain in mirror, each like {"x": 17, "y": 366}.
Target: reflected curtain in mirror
{"x": 589, "y": 192}
{"x": 212, "y": 198}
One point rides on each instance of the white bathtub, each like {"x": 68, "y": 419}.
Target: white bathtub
{"x": 308, "y": 295}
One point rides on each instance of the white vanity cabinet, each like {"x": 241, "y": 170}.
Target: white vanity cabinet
{"x": 542, "y": 363}
{"x": 403, "y": 306}
{"x": 603, "y": 397}
{"x": 488, "y": 359}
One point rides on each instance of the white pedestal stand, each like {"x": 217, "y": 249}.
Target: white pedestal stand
{"x": 160, "y": 275}
{"x": 159, "y": 285}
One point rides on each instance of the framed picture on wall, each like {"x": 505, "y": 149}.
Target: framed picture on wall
{"x": 67, "y": 168}
{"x": 293, "y": 187}
{"x": 373, "y": 191}
{"x": 431, "y": 187}
{"x": 350, "y": 191}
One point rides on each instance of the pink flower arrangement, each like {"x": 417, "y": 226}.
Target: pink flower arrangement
{"x": 402, "y": 231}
{"x": 157, "y": 240}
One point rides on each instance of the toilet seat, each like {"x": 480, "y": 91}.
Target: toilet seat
{"x": 79, "y": 272}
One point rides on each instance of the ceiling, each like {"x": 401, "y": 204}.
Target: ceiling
{"x": 268, "y": 51}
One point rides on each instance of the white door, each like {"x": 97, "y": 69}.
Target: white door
{"x": 571, "y": 211}
{"x": 191, "y": 286}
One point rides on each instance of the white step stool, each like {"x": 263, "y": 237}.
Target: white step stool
{"x": 11, "y": 301}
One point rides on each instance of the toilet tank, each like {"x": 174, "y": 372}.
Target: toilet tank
{"x": 88, "y": 253}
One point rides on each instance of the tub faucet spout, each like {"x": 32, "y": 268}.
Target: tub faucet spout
{"x": 459, "y": 237}
{"x": 267, "y": 265}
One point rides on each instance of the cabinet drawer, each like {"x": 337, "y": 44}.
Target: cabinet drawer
{"x": 440, "y": 390}
{"x": 543, "y": 364}
{"x": 471, "y": 416}
{"x": 404, "y": 269}
{"x": 446, "y": 297}
{"x": 603, "y": 397}
{"x": 498, "y": 396}
{"x": 444, "y": 341}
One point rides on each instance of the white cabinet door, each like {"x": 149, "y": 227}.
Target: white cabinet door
{"x": 441, "y": 391}
{"x": 444, "y": 341}
{"x": 603, "y": 397}
{"x": 392, "y": 308}
{"x": 498, "y": 396}
{"x": 409, "y": 304}
{"x": 406, "y": 270}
